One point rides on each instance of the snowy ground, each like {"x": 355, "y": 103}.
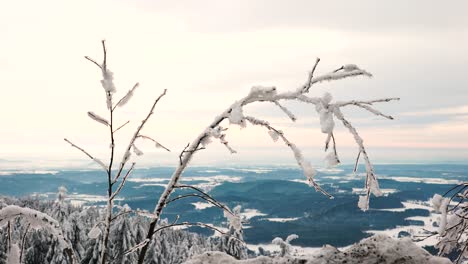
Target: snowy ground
{"x": 376, "y": 249}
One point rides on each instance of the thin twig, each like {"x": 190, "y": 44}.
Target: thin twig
{"x": 117, "y": 129}
{"x": 122, "y": 183}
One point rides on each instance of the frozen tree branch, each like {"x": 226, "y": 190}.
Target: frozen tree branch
{"x": 235, "y": 114}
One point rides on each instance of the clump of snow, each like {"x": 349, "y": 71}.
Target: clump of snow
{"x": 234, "y": 219}
{"x": 94, "y": 232}
{"x": 274, "y": 135}
{"x": 326, "y": 116}
{"x": 376, "y": 249}
{"x": 284, "y": 245}
{"x": 251, "y": 213}
{"x": 98, "y": 118}
{"x": 237, "y": 116}
{"x": 262, "y": 91}
{"x": 331, "y": 159}
{"x": 281, "y": 220}
{"x": 202, "y": 205}
{"x": 363, "y": 203}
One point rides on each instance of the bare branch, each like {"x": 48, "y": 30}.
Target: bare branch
{"x": 122, "y": 183}
{"x": 369, "y": 102}
{"x": 184, "y": 151}
{"x": 99, "y": 162}
{"x": 117, "y": 129}
{"x": 158, "y": 145}
{"x": 357, "y": 162}
{"x": 307, "y": 86}
{"x": 93, "y": 61}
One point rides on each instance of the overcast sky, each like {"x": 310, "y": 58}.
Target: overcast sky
{"x": 209, "y": 53}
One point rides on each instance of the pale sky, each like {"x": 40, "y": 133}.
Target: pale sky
{"x": 209, "y": 53}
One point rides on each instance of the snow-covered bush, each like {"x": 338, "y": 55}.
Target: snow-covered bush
{"x": 285, "y": 245}
{"x": 35, "y": 220}
{"x": 453, "y": 224}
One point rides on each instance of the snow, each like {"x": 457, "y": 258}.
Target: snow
{"x": 98, "y": 118}
{"x": 251, "y": 213}
{"x": 207, "y": 182}
{"x": 234, "y": 219}
{"x": 254, "y": 170}
{"x": 136, "y": 150}
{"x": 80, "y": 199}
{"x": 413, "y": 229}
{"x": 274, "y": 135}
{"x": 331, "y": 159}
{"x": 330, "y": 170}
{"x": 13, "y": 172}
{"x": 14, "y": 255}
{"x": 384, "y": 191}
{"x": 363, "y": 203}
{"x": 94, "y": 232}
{"x": 376, "y": 249}
{"x": 421, "y": 180}
{"x": 236, "y": 116}
{"x": 409, "y": 205}
{"x": 326, "y": 121}
{"x": 202, "y": 205}
{"x": 127, "y": 96}
{"x": 281, "y": 220}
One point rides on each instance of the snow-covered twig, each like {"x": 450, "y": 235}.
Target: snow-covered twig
{"x": 157, "y": 144}
{"x": 286, "y": 111}
{"x": 309, "y": 172}
{"x": 371, "y": 184}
